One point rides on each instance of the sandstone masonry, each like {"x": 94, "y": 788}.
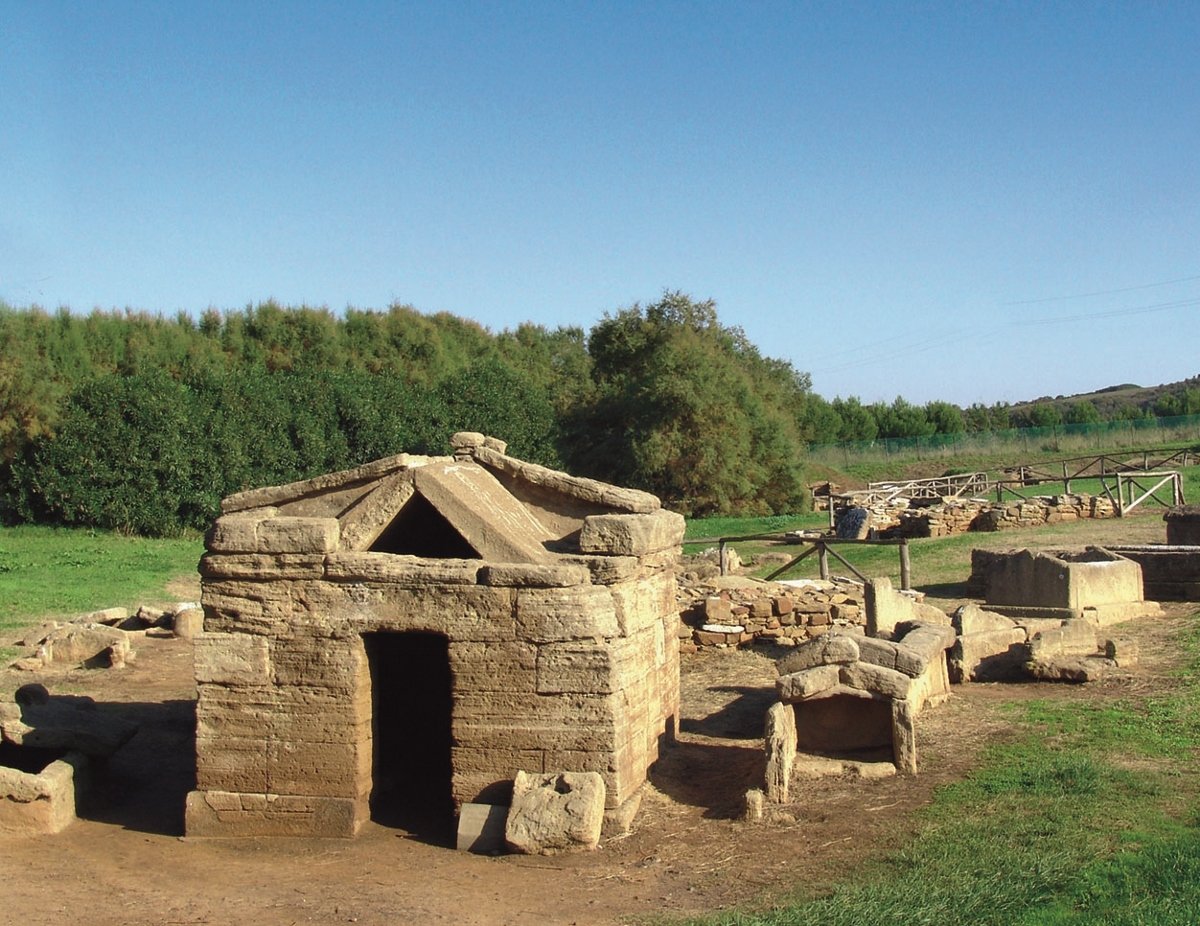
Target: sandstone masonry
{"x": 421, "y": 630}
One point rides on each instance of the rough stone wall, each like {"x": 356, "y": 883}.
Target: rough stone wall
{"x": 899, "y": 519}
{"x": 772, "y": 612}
{"x": 569, "y": 663}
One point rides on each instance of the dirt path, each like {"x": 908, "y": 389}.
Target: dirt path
{"x": 125, "y": 861}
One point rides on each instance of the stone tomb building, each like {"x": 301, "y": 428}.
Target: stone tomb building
{"x": 402, "y": 638}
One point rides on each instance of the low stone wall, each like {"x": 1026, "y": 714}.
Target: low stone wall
{"x": 737, "y": 611}
{"x": 962, "y": 516}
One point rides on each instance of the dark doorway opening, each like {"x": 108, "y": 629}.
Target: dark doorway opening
{"x": 845, "y": 727}
{"x": 411, "y": 709}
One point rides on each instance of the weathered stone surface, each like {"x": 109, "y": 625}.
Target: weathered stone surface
{"x": 926, "y": 643}
{"x": 225, "y": 813}
{"x": 325, "y": 485}
{"x": 779, "y": 741}
{"x": 524, "y": 575}
{"x": 631, "y": 534}
{"x": 829, "y": 649}
{"x": 867, "y": 677}
{"x": 1073, "y": 669}
{"x": 904, "y": 737}
{"x": 298, "y": 535}
{"x": 188, "y": 623}
{"x": 232, "y": 659}
{"x": 42, "y": 803}
{"x": 1122, "y": 652}
{"x": 796, "y": 686}
{"x": 971, "y": 618}
{"x": 551, "y": 615}
{"x": 69, "y": 726}
{"x": 1071, "y": 638}
{"x": 363, "y": 522}
{"x": 584, "y": 489}
{"x": 398, "y": 570}
{"x": 238, "y": 533}
{"x": 491, "y": 520}
{"x": 262, "y": 566}
{"x": 987, "y": 656}
{"x": 108, "y": 616}
{"x": 555, "y": 812}
{"x": 558, "y": 661}
{"x": 481, "y": 828}
{"x": 87, "y": 644}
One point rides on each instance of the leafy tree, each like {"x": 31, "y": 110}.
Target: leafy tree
{"x": 902, "y": 419}
{"x": 686, "y": 408}
{"x": 945, "y": 417}
{"x": 858, "y": 422}
{"x": 1082, "y": 413}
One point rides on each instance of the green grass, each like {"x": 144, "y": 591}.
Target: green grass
{"x": 57, "y": 571}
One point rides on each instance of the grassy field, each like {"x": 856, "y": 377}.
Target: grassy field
{"x": 48, "y": 571}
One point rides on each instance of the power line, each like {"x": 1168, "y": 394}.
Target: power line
{"x": 1111, "y": 313}
{"x": 1102, "y": 292}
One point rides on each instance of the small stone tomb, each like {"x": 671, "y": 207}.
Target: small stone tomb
{"x": 401, "y": 639}
{"x": 1095, "y": 584}
{"x": 848, "y": 702}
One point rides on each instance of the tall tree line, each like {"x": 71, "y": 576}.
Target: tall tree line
{"x": 142, "y": 422}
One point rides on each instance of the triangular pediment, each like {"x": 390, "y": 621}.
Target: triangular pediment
{"x": 445, "y": 509}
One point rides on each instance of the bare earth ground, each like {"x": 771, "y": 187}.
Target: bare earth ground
{"x": 125, "y": 860}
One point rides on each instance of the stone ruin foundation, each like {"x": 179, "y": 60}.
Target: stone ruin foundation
{"x": 1044, "y": 614}
{"x": 402, "y": 639}
{"x": 1171, "y": 571}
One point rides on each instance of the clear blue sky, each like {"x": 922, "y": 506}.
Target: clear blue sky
{"x": 962, "y": 201}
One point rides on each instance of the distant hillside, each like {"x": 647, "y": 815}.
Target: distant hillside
{"x": 1111, "y": 400}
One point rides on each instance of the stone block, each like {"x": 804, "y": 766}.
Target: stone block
{"x": 780, "y": 744}
{"x": 876, "y": 679}
{"x": 497, "y": 526}
{"x": 530, "y": 575}
{"x": 574, "y": 667}
{"x": 481, "y": 828}
{"x": 827, "y": 649}
{"x": 553, "y": 615}
{"x": 555, "y": 812}
{"x": 631, "y": 534}
{"x": 232, "y": 659}
{"x": 188, "y": 623}
{"x": 298, "y": 535}
{"x": 796, "y": 686}
{"x": 224, "y": 813}
{"x": 400, "y": 571}
{"x": 988, "y": 656}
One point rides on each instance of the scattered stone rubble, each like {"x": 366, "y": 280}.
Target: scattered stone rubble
{"x": 992, "y": 647}
{"x": 103, "y": 639}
